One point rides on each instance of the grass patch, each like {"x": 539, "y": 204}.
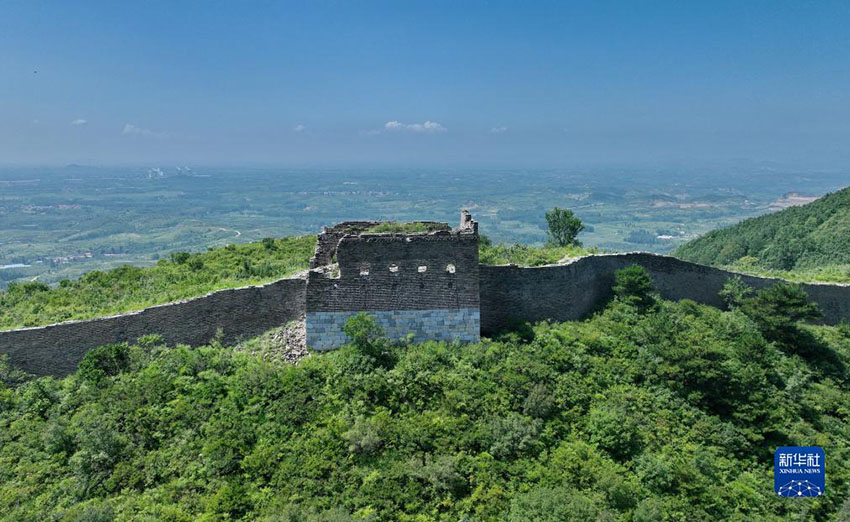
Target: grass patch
{"x": 128, "y": 287}
{"x": 821, "y": 274}
{"x": 413, "y": 227}
{"x": 525, "y": 255}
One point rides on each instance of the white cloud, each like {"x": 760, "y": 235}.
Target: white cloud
{"x": 299, "y": 128}
{"x": 132, "y": 130}
{"x": 429, "y": 127}
{"x": 78, "y": 122}
{"x": 499, "y": 130}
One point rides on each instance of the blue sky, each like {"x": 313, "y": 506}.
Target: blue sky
{"x": 424, "y": 83}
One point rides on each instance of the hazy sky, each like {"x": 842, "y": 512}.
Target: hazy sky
{"x": 423, "y": 83}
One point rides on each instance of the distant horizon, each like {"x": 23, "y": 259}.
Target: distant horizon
{"x": 803, "y": 165}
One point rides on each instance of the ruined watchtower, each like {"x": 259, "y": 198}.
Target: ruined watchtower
{"x": 416, "y": 278}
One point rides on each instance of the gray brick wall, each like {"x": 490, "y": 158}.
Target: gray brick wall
{"x": 407, "y": 287}
{"x": 433, "y": 305}
{"x": 424, "y": 284}
{"x": 573, "y": 291}
{"x": 240, "y": 312}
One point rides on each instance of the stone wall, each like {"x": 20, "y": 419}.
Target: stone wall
{"x": 327, "y": 241}
{"x": 432, "y": 304}
{"x": 240, "y": 313}
{"x": 575, "y": 290}
{"x": 377, "y": 272}
{"x": 463, "y": 325}
{"x": 425, "y": 284}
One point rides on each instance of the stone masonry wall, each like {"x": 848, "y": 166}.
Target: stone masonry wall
{"x": 240, "y": 313}
{"x": 434, "y": 304}
{"x": 327, "y": 241}
{"x": 575, "y": 290}
{"x": 463, "y": 325}
{"x": 425, "y": 284}
{"x": 368, "y": 282}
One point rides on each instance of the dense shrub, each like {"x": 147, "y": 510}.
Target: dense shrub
{"x": 104, "y": 361}
{"x": 669, "y": 413}
{"x": 778, "y": 311}
{"x": 634, "y": 287}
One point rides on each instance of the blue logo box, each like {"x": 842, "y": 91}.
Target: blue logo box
{"x": 799, "y": 471}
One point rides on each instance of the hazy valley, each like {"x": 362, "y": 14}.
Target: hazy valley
{"x": 61, "y": 222}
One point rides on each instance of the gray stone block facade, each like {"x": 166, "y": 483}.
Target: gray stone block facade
{"x": 422, "y": 283}
{"x": 325, "y": 329}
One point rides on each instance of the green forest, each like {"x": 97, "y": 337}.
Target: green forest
{"x": 649, "y": 410}
{"x": 808, "y": 242}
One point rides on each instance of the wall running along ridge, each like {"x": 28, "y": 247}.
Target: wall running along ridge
{"x": 434, "y": 304}
{"x": 239, "y": 313}
{"x": 575, "y": 290}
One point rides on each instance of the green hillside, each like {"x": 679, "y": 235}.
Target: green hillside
{"x": 648, "y": 411}
{"x": 809, "y": 241}
{"x": 132, "y": 288}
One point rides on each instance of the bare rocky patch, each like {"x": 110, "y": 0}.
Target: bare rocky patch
{"x": 285, "y": 344}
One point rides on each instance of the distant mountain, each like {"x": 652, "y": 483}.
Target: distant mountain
{"x": 815, "y": 235}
